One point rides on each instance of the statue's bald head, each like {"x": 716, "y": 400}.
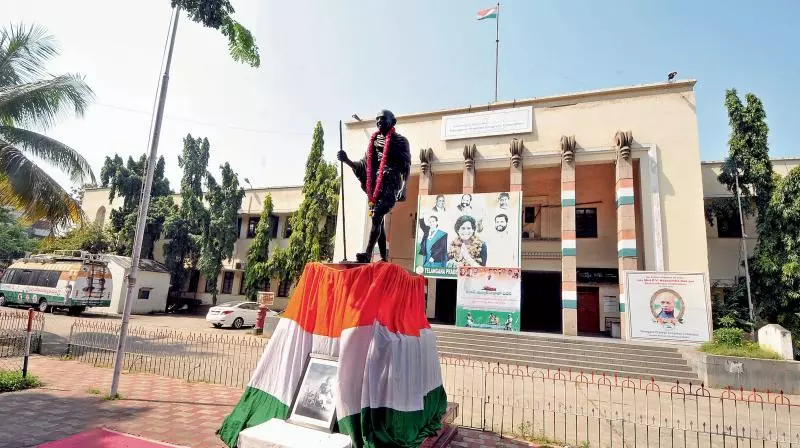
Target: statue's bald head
{"x": 385, "y": 121}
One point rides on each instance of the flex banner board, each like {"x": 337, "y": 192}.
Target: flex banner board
{"x": 476, "y": 230}
{"x": 667, "y": 306}
{"x": 488, "y": 298}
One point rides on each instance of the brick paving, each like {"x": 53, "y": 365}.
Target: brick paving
{"x": 155, "y": 407}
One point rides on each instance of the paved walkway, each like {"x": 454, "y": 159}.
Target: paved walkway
{"x": 155, "y": 407}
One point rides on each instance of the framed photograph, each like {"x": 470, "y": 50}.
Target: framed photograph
{"x": 313, "y": 405}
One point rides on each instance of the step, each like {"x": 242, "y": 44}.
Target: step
{"x": 554, "y": 353}
{"x": 661, "y": 376}
{"x": 536, "y": 347}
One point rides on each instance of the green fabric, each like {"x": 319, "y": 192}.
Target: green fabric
{"x": 255, "y": 407}
{"x": 389, "y": 428}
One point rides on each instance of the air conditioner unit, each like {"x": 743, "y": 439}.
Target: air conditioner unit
{"x": 238, "y": 265}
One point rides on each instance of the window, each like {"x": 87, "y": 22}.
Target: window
{"x": 227, "y": 282}
{"x": 194, "y": 279}
{"x": 252, "y": 224}
{"x": 144, "y": 293}
{"x": 242, "y": 290}
{"x": 728, "y": 226}
{"x": 211, "y": 283}
{"x": 8, "y": 275}
{"x": 238, "y": 227}
{"x": 283, "y": 288}
{"x": 48, "y": 279}
{"x": 265, "y": 285}
{"x": 22, "y": 278}
{"x": 287, "y": 228}
{"x": 586, "y": 223}
{"x": 273, "y": 226}
{"x": 249, "y": 306}
{"x": 33, "y": 280}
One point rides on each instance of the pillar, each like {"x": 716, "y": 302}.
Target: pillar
{"x": 626, "y": 220}
{"x": 515, "y": 171}
{"x": 468, "y": 184}
{"x": 569, "y": 288}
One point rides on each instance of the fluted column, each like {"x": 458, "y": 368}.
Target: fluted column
{"x": 569, "y": 294}
{"x": 626, "y": 220}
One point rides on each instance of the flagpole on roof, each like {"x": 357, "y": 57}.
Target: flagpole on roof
{"x": 496, "y": 50}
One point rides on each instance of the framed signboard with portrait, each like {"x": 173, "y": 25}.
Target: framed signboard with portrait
{"x": 313, "y": 404}
{"x": 667, "y": 306}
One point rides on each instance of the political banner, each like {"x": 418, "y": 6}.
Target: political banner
{"x": 488, "y": 298}
{"x": 667, "y": 306}
{"x": 454, "y": 230}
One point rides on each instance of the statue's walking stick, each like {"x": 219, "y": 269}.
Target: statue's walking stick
{"x": 341, "y": 182}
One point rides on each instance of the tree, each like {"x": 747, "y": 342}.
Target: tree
{"x": 125, "y": 181}
{"x": 32, "y": 98}
{"x": 216, "y": 14}
{"x": 259, "y": 269}
{"x": 224, "y": 202}
{"x": 14, "y": 240}
{"x": 184, "y": 228}
{"x": 90, "y": 237}
{"x": 313, "y": 225}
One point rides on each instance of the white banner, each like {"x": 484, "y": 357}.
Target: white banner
{"x": 517, "y": 120}
{"x": 667, "y": 306}
{"x": 488, "y": 298}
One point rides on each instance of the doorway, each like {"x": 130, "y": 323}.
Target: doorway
{"x": 588, "y": 310}
{"x": 446, "y": 291}
{"x": 540, "y": 309}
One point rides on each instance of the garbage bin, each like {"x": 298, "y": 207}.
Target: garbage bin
{"x": 615, "y": 330}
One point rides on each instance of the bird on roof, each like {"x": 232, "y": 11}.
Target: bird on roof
{"x": 671, "y": 76}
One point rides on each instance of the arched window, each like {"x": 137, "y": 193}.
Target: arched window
{"x": 100, "y": 217}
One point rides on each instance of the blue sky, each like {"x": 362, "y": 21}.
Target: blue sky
{"x": 324, "y": 60}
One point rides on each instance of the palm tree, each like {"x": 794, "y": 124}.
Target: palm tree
{"x": 32, "y": 98}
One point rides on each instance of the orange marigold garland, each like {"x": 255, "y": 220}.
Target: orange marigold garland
{"x": 371, "y": 193}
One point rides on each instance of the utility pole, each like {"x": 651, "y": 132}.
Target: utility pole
{"x": 744, "y": 254}
{"x": 144, "y": 204}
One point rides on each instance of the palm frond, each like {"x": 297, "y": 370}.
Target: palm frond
{"x": 241, "y": 43}
{"x": 26, "y": 187}
{"x": 51, "y": 151}
{"x": 23, "y": 53}
{"x": 40, "y": 104}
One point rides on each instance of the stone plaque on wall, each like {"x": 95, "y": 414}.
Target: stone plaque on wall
{"x": 518, "y": 120}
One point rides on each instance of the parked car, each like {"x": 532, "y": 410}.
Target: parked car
{"x": 235, "y": 314}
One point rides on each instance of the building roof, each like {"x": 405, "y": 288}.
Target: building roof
{"x": 585, "y": 95}
{"x": 144, "y": 265}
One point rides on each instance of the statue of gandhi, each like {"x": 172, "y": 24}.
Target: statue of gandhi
{"x": 383, "y": 173}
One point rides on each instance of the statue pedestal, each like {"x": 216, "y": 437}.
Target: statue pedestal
{"x": 279, "y": 433}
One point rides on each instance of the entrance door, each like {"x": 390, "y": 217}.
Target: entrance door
{"x": 541, "y": 302}
{"x": 588, "y": 310}
{"x": 446, "y": 290}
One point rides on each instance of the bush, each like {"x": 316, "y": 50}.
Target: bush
{"x": 746, "y": 350}
{"x": 731, "y": 337}
{"x": 11, "y": 381}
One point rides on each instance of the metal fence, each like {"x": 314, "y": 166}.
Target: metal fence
{"x": 13, "y": 326}
{"x": 576, "y": 408}
{"x": 192, "y": 356}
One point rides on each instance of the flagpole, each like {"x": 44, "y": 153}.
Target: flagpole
{"x": 496, "y": 51}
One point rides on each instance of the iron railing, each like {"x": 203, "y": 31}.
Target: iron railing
{"x": 13, "y": 326}
{"x": 190, "y": 355}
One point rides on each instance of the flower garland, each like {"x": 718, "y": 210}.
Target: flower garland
{"x": 371, "y": 193}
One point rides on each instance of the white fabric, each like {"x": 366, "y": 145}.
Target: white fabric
{"x": 280, "y": 433}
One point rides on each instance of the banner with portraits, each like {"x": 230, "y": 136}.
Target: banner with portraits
{"x": 477, "y": 230}
{"x": 667, "y": 306}
{"x": 488, "y": 298}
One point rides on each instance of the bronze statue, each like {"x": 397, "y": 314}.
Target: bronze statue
{"x": 383, "y": 173}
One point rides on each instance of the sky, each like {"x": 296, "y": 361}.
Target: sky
{"x": 323, "y": 60}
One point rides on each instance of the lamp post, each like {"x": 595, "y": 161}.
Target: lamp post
{"x": 744, "y": 252}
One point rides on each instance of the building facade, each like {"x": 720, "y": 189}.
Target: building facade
{"x": 613, "y": 175}
{"x": 230, "y": 282}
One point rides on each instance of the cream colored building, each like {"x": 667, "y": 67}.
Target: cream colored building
{"x": 646, "y": 192}
{"x": 285, "y": 201}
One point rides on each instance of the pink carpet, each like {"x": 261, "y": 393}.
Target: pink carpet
{"x": 105, "y": 438}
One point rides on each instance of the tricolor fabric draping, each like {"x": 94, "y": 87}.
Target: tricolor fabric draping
{"x": 372, "y": 318}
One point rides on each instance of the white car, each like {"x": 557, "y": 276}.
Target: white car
{"x": 235, "y": 314}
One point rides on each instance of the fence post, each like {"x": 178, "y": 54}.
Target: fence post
{"x": 27, "y": 343}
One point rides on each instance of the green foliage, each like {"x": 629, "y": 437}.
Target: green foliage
{"x": 731, "y": 337}
{"x": 219, "y": 238}
{"x": 259, "y": 269}
{"x": 312, "y": 224}
{"x": 745, "y": 350}
{"x": 216, "y": 14}
{"x": 125, "y": 180}
{"x": 721, "y": 207}
{"x": 14, "y": 240}
{"x": 89, "y": 237}
{"x": 184, "y": 228}
{"x": 12, "y": 380}
{"x": 730, "y": 308}
{"x": 32, "y": 98}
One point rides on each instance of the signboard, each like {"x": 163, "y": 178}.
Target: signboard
{"x": 266, "y": 298}
{"x": 488, "y": 298}
{"x": 667, "y": 306}
{"x": 467, "y": 230}
{"x": 518, "y": 120}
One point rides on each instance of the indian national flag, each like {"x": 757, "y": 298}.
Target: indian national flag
{"x": 389, "y": 390}
{"x": 490, "y": 13}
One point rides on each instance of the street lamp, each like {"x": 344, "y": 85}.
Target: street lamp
{"x": 744, "y": 252}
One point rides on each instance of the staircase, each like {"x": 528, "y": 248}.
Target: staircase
{"x": 552, "y": 351}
